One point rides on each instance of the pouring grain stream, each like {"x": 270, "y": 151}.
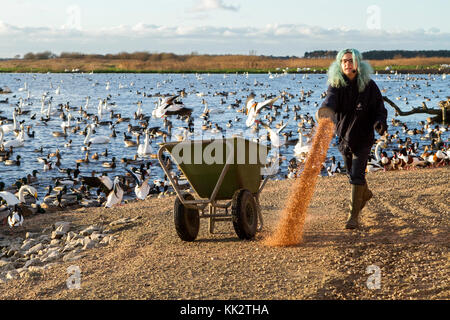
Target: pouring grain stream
{"x": 289, "y": 230}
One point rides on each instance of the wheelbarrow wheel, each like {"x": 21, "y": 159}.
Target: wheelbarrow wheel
{"x": 244, "y": 213}
{"x": 187, "y": 221}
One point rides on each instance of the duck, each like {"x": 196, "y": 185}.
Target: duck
{"x": 87, "y": 147}
{"x": 142, "y": 187}
{"x": 68, "y": 144}
{"x": 411, "y": 161}
{"x": 131, "y": 143}
{"x": 85, "y": 160}
{"x": 15, "y": 217}
{"x": 111, "y": 164}
{"x": 11, "y": 162}
{"x": 115, "y": 195}
{"x": 60, "y": 133}
{"x": 47, "y": 165}
{"x": 31, "y": 178}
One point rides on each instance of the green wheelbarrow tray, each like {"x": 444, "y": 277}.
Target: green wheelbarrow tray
{"x": 216, "y": 169}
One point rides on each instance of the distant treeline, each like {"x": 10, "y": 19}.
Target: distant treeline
{"x": 383, "y": 54}
{"x": 143, "y": 56}
{"x": 318, "y": 54}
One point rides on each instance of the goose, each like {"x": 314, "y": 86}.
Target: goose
{"x": 115, "y": 195}
{"x": 253, "y": 108}
{"x": 145, "y": 149}
{"x": 142, "y": 187}
{"x": 95, "y": 140}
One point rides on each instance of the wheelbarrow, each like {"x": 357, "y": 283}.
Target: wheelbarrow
{"x": 225, "y": 176}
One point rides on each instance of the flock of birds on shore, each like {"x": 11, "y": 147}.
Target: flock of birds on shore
{"x": 259, "y": 112}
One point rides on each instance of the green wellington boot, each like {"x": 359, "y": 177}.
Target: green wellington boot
{"x": 366, "y": 196}
{"x": 355, "y": 205}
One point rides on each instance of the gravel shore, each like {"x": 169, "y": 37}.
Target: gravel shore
{"x": 400, "y": 252}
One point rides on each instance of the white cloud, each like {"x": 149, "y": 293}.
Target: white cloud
{"x": 273, "y": 39}
{"x": 207, "y": 5}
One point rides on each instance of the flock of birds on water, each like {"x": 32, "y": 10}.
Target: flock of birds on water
{"x": 269, "y": 112}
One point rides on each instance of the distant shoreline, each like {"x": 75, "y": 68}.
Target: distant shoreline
{"x": 214, "y": 65}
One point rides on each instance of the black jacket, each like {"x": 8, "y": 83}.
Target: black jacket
{"x": 356, "y": 114}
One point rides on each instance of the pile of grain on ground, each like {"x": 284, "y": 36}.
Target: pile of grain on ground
{"x": 404, "y": 233}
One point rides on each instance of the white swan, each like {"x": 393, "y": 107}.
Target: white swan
{"x": 66, "y": 124}
{"x": 49, "y": 110}
{"x": 380, "y": 144}
{"x": 10, "y": 127}
{"x": 145, "y": 149}
{"x": 95, "y": 140}
{"x": 12, "y": 200}
{"x": 139, "y": 109}
{"x": 301, "y": 149}
{"x": 15, "y": 143}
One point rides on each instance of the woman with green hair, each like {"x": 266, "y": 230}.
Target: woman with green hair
{"x": 355, "y": 105}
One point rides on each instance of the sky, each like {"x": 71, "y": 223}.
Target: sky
{"x": 264, "y": 27}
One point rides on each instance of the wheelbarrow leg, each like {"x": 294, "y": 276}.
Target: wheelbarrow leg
{"x": 212, "y": 211}
{"x": 260, "y": 217}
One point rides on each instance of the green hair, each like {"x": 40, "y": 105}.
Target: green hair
{"x": 336, "y": 76}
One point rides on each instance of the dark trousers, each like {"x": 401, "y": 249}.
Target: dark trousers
{"x": 355, "y": 164}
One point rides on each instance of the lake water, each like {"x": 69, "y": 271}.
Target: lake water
{"x": 125, "y": 90}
